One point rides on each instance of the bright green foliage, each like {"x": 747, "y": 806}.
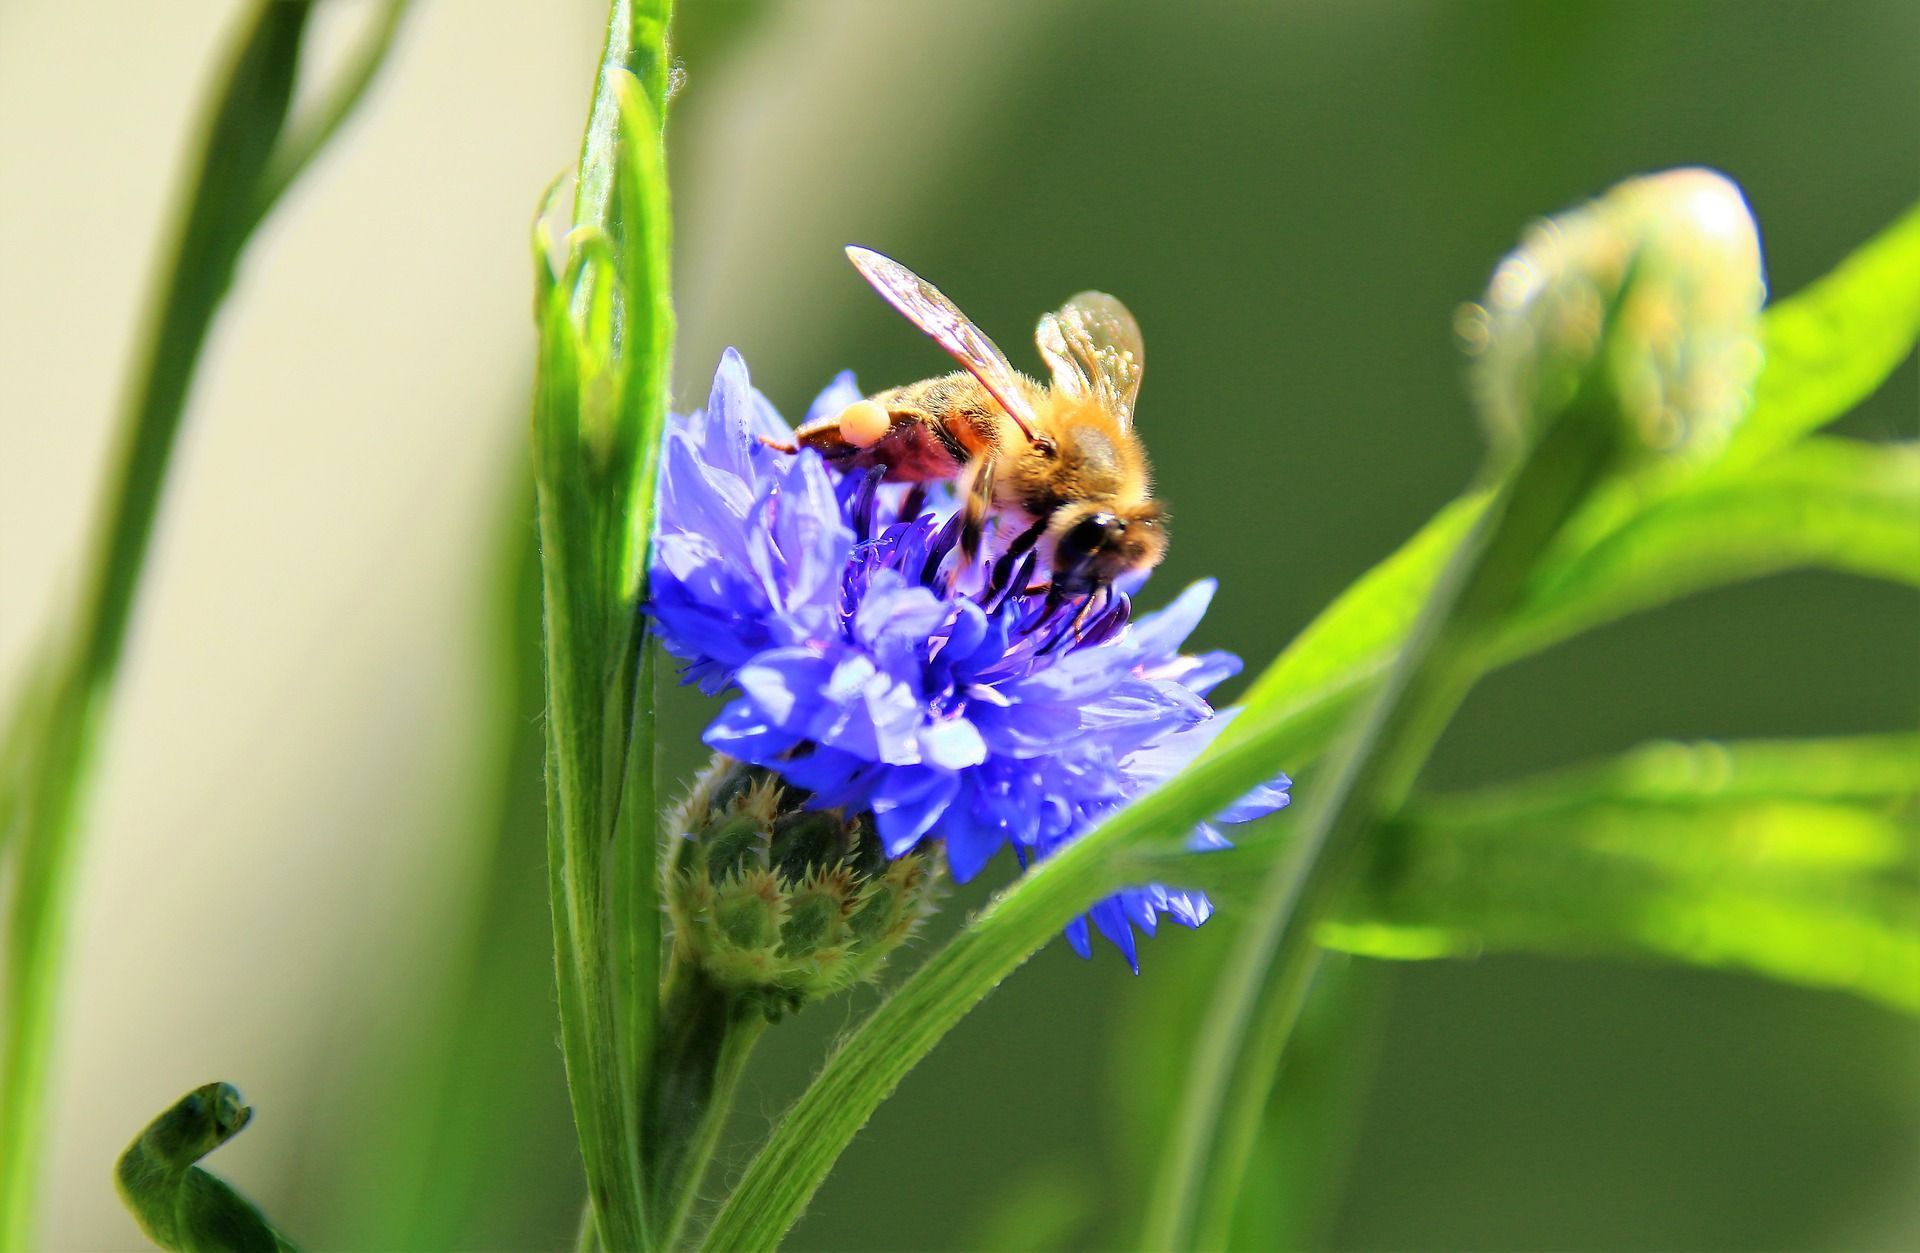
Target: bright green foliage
{"x": 1353, "y": 640}
{"x": 1576, "y": 446}
{"x": 606, "y": 333}
{"x": 180, "y": 1206}
{"x": 1799, "y": 861}
{"x": 1827, "y": 349}
{"x": 1831, "y": 346}
{"x": 782, "y": 905}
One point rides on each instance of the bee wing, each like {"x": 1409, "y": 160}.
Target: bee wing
{"x": 1094, "y": 348}
{"x": 924, "y": 306}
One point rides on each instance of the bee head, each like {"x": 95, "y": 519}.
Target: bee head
{"x": 1094, "y": 544}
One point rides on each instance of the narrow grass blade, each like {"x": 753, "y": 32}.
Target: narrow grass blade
{"x": 47, "y": 779}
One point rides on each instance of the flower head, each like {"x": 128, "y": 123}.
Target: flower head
{"x": 876, "y": 673}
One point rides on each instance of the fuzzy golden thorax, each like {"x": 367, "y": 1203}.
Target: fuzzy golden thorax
{"x": 1080, "y": 454}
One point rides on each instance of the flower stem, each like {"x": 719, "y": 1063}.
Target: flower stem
{"x": 230, "y": 194}
{"x": 1260, "y": 994}
{"x": 606, "y": 328}
{"x": 871, "y": 1062}
{"x": 706, "y": 1036}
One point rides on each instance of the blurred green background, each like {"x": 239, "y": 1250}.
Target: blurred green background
{"x": 315, "y": 867}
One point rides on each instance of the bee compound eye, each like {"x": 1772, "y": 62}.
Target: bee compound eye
{"x": 1090, "y": 533}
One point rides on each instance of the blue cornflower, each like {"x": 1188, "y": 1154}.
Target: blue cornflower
{"x": 956, "y": 707}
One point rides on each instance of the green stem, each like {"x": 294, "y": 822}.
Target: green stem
{"x": 1260, "y": 994}
{"x": 790, "y": 1167}
{"x": 241, "y": 139}
{"x": 307, "y": 135}
{"x": 606, "y": 332}
{"x": 706, "y": 1037}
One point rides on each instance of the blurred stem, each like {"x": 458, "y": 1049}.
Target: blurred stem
{"x": 1308, "y": 1128}
{"x": 307, "y": 135}
{"x": 705, "y": 1039}
{"x": 46, "y": 805}
{"x": 1260, "y": 993}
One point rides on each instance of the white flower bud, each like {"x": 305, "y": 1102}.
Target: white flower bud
{"x": 1675, "y": 259}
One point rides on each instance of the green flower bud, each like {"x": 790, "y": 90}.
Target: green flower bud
{"x": 779, "y": 904}
{"x": 1666, "y": 267}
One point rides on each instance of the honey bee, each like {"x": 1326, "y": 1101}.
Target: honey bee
{"x": 1059, "y": 460}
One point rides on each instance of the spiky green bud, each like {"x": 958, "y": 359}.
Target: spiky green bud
{"x": 780, "y": 904}
{"x": 1667, "y": 268}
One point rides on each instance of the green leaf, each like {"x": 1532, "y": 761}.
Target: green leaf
{"x": 180, "y": 1206}
{"x": 244, "y": 165}
{"x": 1825, "y": 503}
{"x": 1795, "y": 861}
{"x": 1353, "y": 640}
{"x": 1832, "y": 345}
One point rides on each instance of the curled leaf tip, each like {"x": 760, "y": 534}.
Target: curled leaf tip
{"x": 180, "y": 1206}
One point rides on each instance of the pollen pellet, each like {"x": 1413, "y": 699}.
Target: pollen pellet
{"x": 863, "y": 423}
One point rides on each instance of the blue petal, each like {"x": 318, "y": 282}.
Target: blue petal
{"x": 1111, "y": 920}
{"x": 838, "y": 394}
{"x": 786, "y": 685}
{"x": 729, "y": 406}
{"x": 1076, "y": 934}
{"x": 907, "y": 804}
{"x": 971, "y": 844}
{"x": 1159, "y": 635}
{"x": 953, "y": 744}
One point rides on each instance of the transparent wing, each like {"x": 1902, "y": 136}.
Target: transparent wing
{"x": 1094, "y": 349}
{"x": 924, "y": 306}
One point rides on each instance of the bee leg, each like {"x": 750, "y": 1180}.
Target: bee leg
{"x": 1023, "y": 545}
{"x": 1009, "y": 562}
{"x": 1103, "y": 596}
{"x": 974, "y": 508}
{"x": 777, "y": 446}
{"x": 860, "y": 426}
